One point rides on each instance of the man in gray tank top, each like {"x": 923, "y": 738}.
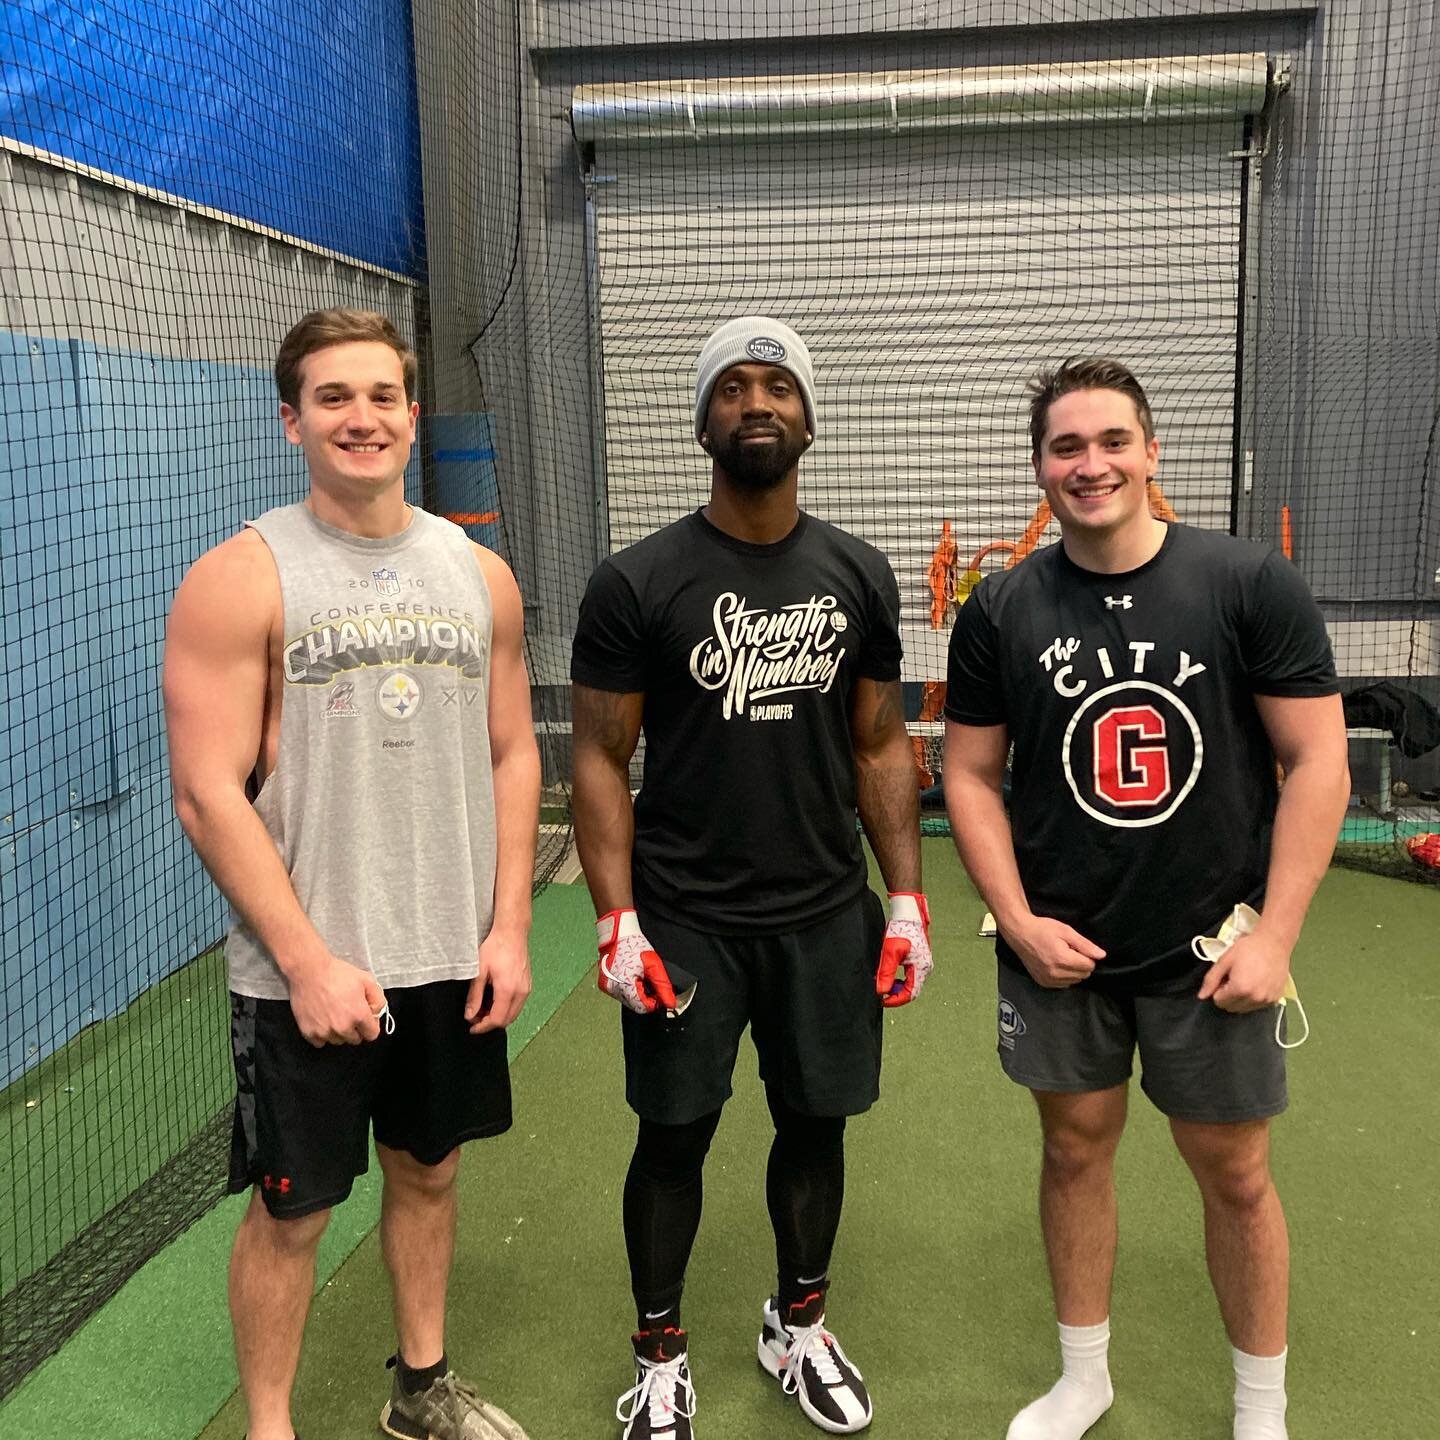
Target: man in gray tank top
{"x": 353, "y": 759}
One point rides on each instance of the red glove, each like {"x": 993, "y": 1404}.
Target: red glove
{"x": 907, "y": 943}
{"x": 633, "y": 973}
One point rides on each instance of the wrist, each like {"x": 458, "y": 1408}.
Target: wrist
{"x": 910, "y": 905}
{"x": 302, "y": 963}
{"x": 510, "y": 927}
{"x": 1012, "y": 920}
{"x": 614, "y": 926}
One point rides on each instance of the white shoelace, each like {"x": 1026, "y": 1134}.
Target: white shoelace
{"x": 816, "y": 1342}
{"x": 664, "y": 1386}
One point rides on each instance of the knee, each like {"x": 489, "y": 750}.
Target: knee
{"x": 673, "y": 1154}
{"x": 1236, "y": 1184}
{"x": 807, "y": 1138}
{"x": 292, "y": 1235}
{"x": 405, "y": 1172}
{"x": 1073, "y": 1153}
{"x": 1230, "y": 1163}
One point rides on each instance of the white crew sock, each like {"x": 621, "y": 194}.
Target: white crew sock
{"x": 1259, "y": 1396}
{"x": 1079, "y": 1397}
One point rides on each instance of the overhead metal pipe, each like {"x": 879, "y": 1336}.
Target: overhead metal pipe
{"x": 990, "y": 97}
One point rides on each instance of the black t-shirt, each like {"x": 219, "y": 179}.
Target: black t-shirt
{"x": 1143, "y": 783}
{"x": 747, "y": 656}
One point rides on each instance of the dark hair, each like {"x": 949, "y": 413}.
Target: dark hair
{"x": 1096, "y": 372}
{"x": 321, "y": 329}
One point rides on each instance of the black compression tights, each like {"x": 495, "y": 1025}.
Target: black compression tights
{"x": 804, "y": 1189}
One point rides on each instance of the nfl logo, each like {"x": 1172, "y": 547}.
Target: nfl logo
{"x": 387, "y": 582}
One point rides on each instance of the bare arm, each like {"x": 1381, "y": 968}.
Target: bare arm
{"x": 1308, "y": 737}
{"x": 974, "y": 767}
{"x": 217, "y": 644}
{"x": 887, "y": 794}
{"x": 606, "y": 731}
{"x": 515, "y": 765}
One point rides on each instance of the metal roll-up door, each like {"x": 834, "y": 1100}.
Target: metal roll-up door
{"x": 931, "y": 268}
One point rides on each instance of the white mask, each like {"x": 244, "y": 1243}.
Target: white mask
{"x": 1244, "y": 920}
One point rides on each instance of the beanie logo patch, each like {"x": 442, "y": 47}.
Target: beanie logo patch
{"x": 762, "y": 347}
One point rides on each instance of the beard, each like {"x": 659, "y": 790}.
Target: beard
{"x": 758, "y": 467}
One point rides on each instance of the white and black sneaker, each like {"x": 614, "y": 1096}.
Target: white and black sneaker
{"x": 661, "y": 1402}
{"x": 808, "y": 1362}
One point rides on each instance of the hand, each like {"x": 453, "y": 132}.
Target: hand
{"x": 630, "y": 971}
{"x": 336, "y": 1003}
{"x": 501, "y": 985}
{"x": 1055, "y": 954}
{"x": 907, "y": 943}
{"x": 1250, "y": 975}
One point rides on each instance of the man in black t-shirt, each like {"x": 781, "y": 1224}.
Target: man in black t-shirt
{"x": 1149, "y": 676}
{"x": 758, "y": 648}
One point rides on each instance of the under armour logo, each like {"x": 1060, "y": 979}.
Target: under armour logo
{"x": 1121, "y": 602}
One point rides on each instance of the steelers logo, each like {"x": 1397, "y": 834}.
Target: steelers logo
{"x": 398, "y": 696}
{"x": 1132, "y": 753}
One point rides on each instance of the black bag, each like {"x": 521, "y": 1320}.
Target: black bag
{"x": 1413, "y": 722}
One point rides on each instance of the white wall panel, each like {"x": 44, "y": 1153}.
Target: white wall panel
{"x": 930, "y": 277}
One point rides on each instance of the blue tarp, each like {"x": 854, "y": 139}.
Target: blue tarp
{"x": 290, "y": 113}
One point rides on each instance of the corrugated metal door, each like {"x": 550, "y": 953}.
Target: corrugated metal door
{"x": 930, "y": 276}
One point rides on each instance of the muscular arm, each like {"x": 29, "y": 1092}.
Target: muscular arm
{"x": 974, "y": 768}
{"x": 217, "y": 645}
{"x": 515, "y": 767}
{"x": 606, "y": 731}
{"x": 1308, "y": 737}
{"x": 886, "y": 793}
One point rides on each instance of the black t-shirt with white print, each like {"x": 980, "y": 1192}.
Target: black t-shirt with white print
{"x": 747, "y": 656}
{"x": 1143, "y": 783}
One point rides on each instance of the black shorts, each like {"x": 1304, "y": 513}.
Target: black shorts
{"x": 1198, "y": 1062}
{"x": 808, "y": 996}
{"x": 303, "y": 1114}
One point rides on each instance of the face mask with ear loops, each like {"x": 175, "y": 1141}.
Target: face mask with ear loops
{"x": 1244, "y": 920}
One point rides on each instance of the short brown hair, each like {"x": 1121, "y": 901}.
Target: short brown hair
{"x": 321, "y": 329}
{"x": 1096, "y": 372}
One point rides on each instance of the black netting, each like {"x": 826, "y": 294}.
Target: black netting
{"x": 557, "y": 201}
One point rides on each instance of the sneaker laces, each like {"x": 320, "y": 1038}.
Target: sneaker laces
{"x": 816, "y": 1342}
{"x": 664, "y": 1387}
{"x": 459, "y": 1396}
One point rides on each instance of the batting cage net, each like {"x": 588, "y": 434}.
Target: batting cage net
{"x": 557, "y": 200}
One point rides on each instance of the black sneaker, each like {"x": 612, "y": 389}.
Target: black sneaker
{"x": 662, "y": 1399}
{"x": 808, "y": 1362}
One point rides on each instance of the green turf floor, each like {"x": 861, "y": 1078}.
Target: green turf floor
{"x": 940, "y": 1291}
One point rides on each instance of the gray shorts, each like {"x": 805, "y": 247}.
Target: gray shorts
{"x": 1198, "y": 1062}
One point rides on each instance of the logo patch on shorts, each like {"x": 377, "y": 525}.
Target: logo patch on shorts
{"x": 762, "y": 347}
{"x": 1012, "y": 1026}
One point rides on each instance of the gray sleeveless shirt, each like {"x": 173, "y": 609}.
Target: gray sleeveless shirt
{"x": 382, "y": 800}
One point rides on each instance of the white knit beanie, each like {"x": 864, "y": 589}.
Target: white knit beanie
{"x": 752, "y": 340}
